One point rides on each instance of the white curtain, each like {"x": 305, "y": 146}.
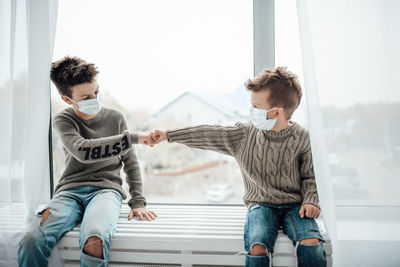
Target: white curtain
{"x": 318, "y": 143}
{"x": 27, "y": 32}
{"x": 350, "y": 54}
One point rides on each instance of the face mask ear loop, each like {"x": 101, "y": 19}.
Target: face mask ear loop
{"x": 271, "y": 110}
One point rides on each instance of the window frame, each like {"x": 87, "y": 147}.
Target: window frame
{"x": 263, "y": 55}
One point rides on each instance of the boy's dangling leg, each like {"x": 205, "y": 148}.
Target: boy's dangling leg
{"x": 98, "y": 227}
{"x": 305, "y": 235}
{"x": 61, "y": 215}
{"x": 311, "y": 254}
{"x": 260, "y": 233}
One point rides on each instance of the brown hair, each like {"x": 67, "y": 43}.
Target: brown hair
{"x": 71, "y": 71}
{"x": 283, "y": 85}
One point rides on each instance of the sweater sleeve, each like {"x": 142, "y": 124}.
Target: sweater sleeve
{"x": 308, "y": 184}
{"x": 223, "y": 139}
{"x": 92, "y": 150}
{"x": 133, "y": 176}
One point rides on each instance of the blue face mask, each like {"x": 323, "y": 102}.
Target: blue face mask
{"x": 259, "y": 119}
{"x": 90, "y": 106}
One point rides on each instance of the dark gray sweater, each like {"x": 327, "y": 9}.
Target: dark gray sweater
{"x": 277, "y": 167}
{"x": 95, "y": 151}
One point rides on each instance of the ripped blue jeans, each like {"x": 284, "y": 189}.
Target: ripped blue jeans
{"x": 97, "y": 209}
{"x": 262, "y": 224}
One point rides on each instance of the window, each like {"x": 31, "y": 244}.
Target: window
{"x": 167, "y": 64}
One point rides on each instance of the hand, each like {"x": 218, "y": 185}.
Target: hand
{"x": 309, "y": 211}
{"x": 142, "y": 214}
{"x": 159, "y": 136}
{"x": 145, "y": 139}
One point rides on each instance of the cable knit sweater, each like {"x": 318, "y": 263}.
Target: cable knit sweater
{"x": 277, "y": 167}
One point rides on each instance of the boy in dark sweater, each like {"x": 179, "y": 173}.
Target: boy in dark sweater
{"x": 97, "y": 144}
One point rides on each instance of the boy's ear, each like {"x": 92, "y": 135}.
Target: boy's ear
{"x": 279, "y": 112}
{"x": 66, "y": 99}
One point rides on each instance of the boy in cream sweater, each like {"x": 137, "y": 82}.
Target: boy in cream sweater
{"x": 274, "y": 155}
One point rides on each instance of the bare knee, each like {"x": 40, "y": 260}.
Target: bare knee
{"x": 94, "y": 247}
{"x": 258, "y": 250}
{"x": 45, "y": 215}
{"x": 309, "y": 241}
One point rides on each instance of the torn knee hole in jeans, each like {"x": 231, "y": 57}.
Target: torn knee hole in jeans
{"x": 87, "y": 243}
{"x": 261, "y": 249}
{"x": 310, "y": 242}
{"x": 94, "y": 247}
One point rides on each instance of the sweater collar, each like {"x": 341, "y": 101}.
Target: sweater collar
{"x": 282, "y": 134}
{"x": 90, "y": 121}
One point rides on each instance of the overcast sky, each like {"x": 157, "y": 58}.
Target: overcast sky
{"x": 149, "y": 52}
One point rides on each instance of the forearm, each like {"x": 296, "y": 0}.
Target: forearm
{"x": 309, "y": 192}
{"x": 137, "y": 199}
{"x": 100, "y": 149}
{"x": 223, "y": 139}
{"x": 308, "y": 183}
{"x": 134, "y": 180}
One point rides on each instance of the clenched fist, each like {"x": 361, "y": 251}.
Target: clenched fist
{"x": 159, "y": 136}
{"x": 146, "y": 139}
